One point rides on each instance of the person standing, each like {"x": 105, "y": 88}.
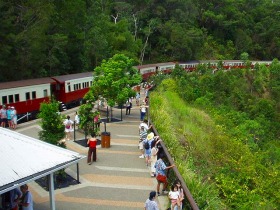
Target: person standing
{"x": 128, "y": 105}
{"x": 137, "y": 97}
{"x": 9, "y": 116}
{"x": 143, "y": 135}
{"x": 26, "y": 200}
{"x": 14, "y": 117}
{"x": 92, "y": 141}
{"x": 143, "y": 110}
{"x": 97, "y": 121}
{"x": 154, "y": 152}
{"x": 68, "y": 127}
{"x": 11, "y": 199}
{"x": 3, "y": 113}
{"x": 150, "y": 203}
{"x": 77, "y": 119}
{"x": 181, "y": 192}
{"x": 161, "y": 174}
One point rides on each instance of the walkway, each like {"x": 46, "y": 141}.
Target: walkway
{"x": 119, "y": 179}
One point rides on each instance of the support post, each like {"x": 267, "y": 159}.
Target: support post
{"x": 78, "y": 173}
{"x": 51, "y": 192}
{"x": 74, "y": 131}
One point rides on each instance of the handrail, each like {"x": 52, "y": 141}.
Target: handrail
{"x": 27, "y": 114}
{"x": 177, "y": 173}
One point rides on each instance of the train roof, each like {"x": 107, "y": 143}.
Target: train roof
{"x": 155, "y": 64}
{"x": 24, "y": 83}
{"x": 63, "y": 78}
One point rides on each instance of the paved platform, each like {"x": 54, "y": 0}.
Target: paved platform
{"x": 119, "y": 179}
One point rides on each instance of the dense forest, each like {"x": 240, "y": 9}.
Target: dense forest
{"x": 47, "y": 37}
{"x": 223, "y": 132}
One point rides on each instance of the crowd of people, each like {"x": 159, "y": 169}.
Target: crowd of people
{"x": 8, "y": 117}
{"x": 17, "y": 199}
{"x": 151, "y": 151}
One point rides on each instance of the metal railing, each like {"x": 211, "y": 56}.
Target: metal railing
{"x": 187, "y": 193}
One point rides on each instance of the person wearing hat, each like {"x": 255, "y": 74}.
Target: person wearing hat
{"x": 14, "y": 117}
{"x": 148, "y": 145}
{"x": 150, "y": 203}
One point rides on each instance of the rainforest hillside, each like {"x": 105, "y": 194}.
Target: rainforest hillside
{"x": 222, "y": 130}
{"x": 42, "y": 38}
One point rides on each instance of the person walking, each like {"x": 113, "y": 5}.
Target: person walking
{"x": 92, "y": 141}
{"x": 161, "y": 174}
{"x": 150, "y": 203}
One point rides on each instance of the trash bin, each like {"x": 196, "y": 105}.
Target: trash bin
{"x": 105, "y": 139}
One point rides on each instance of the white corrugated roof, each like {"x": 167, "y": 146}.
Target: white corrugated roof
{"x": 23, "y": 158}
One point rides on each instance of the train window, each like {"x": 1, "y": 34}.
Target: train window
{"x": 33, "y": 94}
{"x": 79, "y": 85}
{"x": 16, "y": 97}
{"x": 27, "y": 96}
{"x": 45, "y": 92}
{"x": 4, "y": 100}
{"x": 69, "y": 88}
{"x": 87, "y": 84}
{"x": 90, "y": 83}
{"x": 84, "y": 85}
{"x": 11, "y": 98}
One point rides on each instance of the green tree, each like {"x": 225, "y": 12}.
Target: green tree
{"x": 51, "y": 123}
{"x": 114, "y": 79}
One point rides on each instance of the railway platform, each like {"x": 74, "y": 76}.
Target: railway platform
{"x": 119, "y": 179}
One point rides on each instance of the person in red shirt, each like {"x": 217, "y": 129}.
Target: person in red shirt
{"x": 92, "y": 141}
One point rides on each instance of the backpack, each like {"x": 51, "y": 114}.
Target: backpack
{"x": 68, "y": 125}
{"x": 147, "y": 145}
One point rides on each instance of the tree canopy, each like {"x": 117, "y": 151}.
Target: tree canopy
{"x": 46, "y": 38}
{"x": 114, "y": 79}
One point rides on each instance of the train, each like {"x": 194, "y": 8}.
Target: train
{"x": 27, "y": 95}
{"x": 149, "y": 70}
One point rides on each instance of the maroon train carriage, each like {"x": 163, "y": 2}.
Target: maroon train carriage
{"x": 165, "y": 68}
{"x": 26, "y": 95}
{"x": 147, "y": 70}
{"x": 189, "y": 66}
{"x": 70, "y": 89}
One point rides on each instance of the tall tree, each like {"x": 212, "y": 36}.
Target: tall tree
{"x": 114, "y": 79}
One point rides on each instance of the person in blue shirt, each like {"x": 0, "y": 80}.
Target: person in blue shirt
{"x": 161, "y": 174}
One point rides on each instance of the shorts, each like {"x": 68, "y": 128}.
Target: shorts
{"x": 4, "y": 120}
{"x": 141, "y": 145}
{"x": 161, "y": 178}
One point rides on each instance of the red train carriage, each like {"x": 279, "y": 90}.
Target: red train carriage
{"x": 70, "y": 89}
{"x": 147, "y": 70}
{"x": 165, "y": 68}
{"x": 25, "y": 95}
